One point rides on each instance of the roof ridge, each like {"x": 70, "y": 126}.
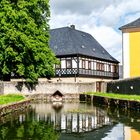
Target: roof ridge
{"x": 70, "y": 28}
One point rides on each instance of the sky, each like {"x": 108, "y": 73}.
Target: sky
{"x": 100, "y": 18}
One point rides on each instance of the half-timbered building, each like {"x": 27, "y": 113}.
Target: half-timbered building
{"x": 81, "y": 56}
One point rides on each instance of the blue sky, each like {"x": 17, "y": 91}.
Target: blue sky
{"x": 101, "y": 18}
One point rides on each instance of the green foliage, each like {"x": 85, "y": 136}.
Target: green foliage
{"x": 24, "y": 39}
{"x": 116, "y": 96}
{"x": 5, "y": 99}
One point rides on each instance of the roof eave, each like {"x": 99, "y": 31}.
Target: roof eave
{"x": 69, "y": 55}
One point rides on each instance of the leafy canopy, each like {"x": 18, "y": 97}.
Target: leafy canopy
{"x": 24, "y": 39}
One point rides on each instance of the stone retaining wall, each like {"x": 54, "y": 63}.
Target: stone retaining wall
{"x": 12, "y": 107}
{"x": 67, "y": 89}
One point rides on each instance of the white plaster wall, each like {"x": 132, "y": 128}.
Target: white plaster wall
{"x": 92, "y": 65}
{"x": 86, "y": 64}
{"x": 74, "y": 64}
{"x": 63, "y": 64}
{"x": 107, "y": 68}
{"x": 127, "y": 133}
{"x": 80, "y": 64}
{"x": 111, "y": 68}
{"x": 126, "y": 56}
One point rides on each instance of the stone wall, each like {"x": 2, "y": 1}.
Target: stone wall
{"x": 1, "y": 88}
{"x": 45, "y": 88}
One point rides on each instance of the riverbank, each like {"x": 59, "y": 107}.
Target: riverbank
{"x": 112, "y": 100}
{"x": 115, "y": 96}
{"x": 12, "y": 103}
{"x": 10, "y": 98}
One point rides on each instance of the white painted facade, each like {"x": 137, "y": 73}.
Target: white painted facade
{"x": 93, "y": 64}
{"x": 127, "y": 133}
{"x": 63, "y": 64}
{"x": 126, "y": 56}
{"x": 74, "y": 64}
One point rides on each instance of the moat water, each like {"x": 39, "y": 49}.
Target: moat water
{"x": 71, "y": 121}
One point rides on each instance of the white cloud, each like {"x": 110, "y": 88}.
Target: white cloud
{"x": 131, "y": 17}
{"x": 113, "y": 13}
{"x": 110, "y": 16}
{"x": 68, "y": 19}
{"x": 77, "y": 6}
{"x": 106, "y": 36}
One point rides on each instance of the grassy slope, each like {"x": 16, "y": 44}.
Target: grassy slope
{"x": 5, "y": 99}
{"x": 116, "y": 96}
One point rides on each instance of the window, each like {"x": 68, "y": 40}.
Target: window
{"x": 109, "y": 68}
{"x": 89, "y": 65}
{"x": 115, "y": 68}
{"x": 68, "y": 63}
{"x": 83, "y": 64}
{"x": 100, "y": 66}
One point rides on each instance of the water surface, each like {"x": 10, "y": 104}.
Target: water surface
{"x": 71, "y": 121}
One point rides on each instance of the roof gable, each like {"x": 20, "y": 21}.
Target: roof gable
{"x": 68, "y": 41}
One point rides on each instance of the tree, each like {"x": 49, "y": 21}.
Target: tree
{"x": 24, "y": 40}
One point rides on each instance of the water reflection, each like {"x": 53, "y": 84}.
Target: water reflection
{"x": 71, "y": 122}
{"x": 27, "y": 127}
{"x": 70, "y": 119}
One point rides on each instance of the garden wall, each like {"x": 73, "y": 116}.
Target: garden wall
{"x": 45, "y": 88}
{"x": 126, "y": 86}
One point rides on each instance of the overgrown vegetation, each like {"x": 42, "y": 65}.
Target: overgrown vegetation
{"x": 5, "y": 99}
{"x": 116, "y": 96}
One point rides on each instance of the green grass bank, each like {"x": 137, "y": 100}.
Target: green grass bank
{"x": 115, "y": 96}
{"x": 10, "y": 98}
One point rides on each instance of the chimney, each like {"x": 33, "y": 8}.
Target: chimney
{"x": 72, "y": 26}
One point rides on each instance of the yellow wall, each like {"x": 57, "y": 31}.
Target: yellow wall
{"x": 135, "y": 135}
{"x": 134, "y": 54}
